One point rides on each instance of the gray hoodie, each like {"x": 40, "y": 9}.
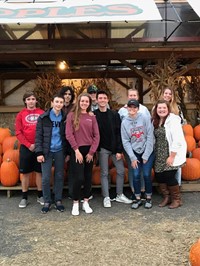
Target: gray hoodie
{"x": 137, "y": 136}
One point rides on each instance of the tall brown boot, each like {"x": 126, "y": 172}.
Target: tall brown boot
{"x": 175, "y": 196}
{"x": 165, "y": 193}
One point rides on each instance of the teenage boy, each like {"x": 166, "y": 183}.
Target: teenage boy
{"x": 110, "y": 146}
{"x": 25, "y": 128}
{"x": 50, "y": 147}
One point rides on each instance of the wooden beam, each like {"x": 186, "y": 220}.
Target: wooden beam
{"x": 121, "y": 83}
{"x": 16, "y": 88}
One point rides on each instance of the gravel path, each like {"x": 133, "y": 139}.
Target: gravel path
{"x": 114, "y": 236}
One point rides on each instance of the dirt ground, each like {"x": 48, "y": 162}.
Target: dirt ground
{"x": 113, "y": 236}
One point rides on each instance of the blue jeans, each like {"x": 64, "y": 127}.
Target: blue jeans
{"x": 58, "y": 159}
{"x": 146, "y": 169}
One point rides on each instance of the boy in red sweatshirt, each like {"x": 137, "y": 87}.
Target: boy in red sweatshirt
{"x": 25, "y": 129}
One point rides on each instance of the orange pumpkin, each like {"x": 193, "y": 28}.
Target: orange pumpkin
{"x": 0, "y": 159}
{"x": 196, "y": 153}
{"x": 4, "y": 132}
{"x": 191, "y": 170}
{"x": 13, "y": 155}
{"x": 199, "y": 144}
{"x": 113, "y": 175}
{"x": 96, "y": 177}
{"x": 1, "y": 149}
{"x": 194, "y": 255}
{"x": 188, "y": 130}
{"x": 197, "y": 132}
{"x": 110, "y": 163}
{"x": 9, "y": 173}
{"x": 191, "y": 143}
{"x": 10, "y": 143}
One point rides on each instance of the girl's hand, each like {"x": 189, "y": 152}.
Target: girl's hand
{"x": 134, "y": 164}
{"x": 89, "y": 158}
{"x": 79, "y": 156}
{"x": 32, "y": 147}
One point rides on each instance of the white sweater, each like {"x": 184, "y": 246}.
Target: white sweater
{"x": 175, "y": 138}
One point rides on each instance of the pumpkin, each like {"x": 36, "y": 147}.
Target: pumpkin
{"x": 4, "y": 132}
{"x": 96, "y": 175}
{"x": 191, "y": 143}
{"x": 199, "y": 144}
{"x": 13, "y": 155}
{"x": 0, "y": 159}
{"x": 10, "y": 143}
{"x": 197, "y": 132}
{"x": 32, "y": 179}
{"x": 191, "y": 170}
{"x": 194, "y": 255}
{"x": 1, "y": 149}
{"x": 196, "y": 153}
{"x": 188, "y": 130}
{"x": 113, "y": 175}
{"x": 9, "y": 173}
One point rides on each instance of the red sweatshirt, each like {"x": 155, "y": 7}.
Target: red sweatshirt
{"x": 25, "y": 125}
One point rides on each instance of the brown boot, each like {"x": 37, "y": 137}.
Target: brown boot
{"x": 175, "y": 196}
{"x": 165, "y": 193}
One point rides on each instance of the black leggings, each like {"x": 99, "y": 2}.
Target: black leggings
{"x": 167, "y": 177}
{"x": 81, "y": 174}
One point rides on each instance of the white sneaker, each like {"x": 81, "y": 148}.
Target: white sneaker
{"x": 123, "y": 199}
{"x": 106, "y": 202}
{"x": 86, "y": 207}
{"x": 75, "y": 209}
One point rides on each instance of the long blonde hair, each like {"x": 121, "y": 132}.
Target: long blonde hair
{"x": 77, "y": 110}
{"x": 173, "y": 104}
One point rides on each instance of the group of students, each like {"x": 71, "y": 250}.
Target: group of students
{"x": 75, "y": 133}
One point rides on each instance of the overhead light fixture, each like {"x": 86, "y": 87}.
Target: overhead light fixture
{"x": 63, "y": 65}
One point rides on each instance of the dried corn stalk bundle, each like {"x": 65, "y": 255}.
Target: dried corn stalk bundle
{"x": 47, "y": 85}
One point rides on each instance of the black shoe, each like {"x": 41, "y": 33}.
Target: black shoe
{"x": 133, "y": 198}
{"x": 46, "y": 208}
{"x": 136, "y": 204}
{"x": 59, "y": 207}
{"x": 143, "y": 196}
{"x": 148, "y": 204}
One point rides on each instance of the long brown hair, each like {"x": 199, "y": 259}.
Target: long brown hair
{"x": 173, "y": 104}
{"x": 77, "y": 110}
{"x": 155, "y": 116}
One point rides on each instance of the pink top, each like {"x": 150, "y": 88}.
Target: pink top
{"x": 86, "y": 135}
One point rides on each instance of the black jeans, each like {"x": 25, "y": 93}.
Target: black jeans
{"x": 167, "y": 177}
{"x": 81, "y": 174}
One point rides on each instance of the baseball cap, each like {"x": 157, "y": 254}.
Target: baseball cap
{"x": 92, "y": 89}
{"x": 133, "y": 102}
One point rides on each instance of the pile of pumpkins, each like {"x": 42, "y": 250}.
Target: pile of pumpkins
{"x": 9, "y": 158}
{"x": 191, "y": 170}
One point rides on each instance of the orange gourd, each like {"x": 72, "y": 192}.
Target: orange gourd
{"x": 1, "y": 149}
{"x": 12, "y": 154}
{"x": 96, "y": 177}
{"x": 10, "y": 143}
{"x": 188, "y": 130}
{"x": 113, "y": 175}
{"x": 196, "y": 153}
{"x": 9, "y": 173}
{"x": 197, "y": 132}
{"x": 199, "y": 144}
{"x": 191, "y": 143}
{"x": 194, "y": 255}
{"x": 4, "y": 132}
{"x": 191, "y": 170}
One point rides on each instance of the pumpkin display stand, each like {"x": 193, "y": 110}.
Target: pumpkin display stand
{"x": 187, "y": 186}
